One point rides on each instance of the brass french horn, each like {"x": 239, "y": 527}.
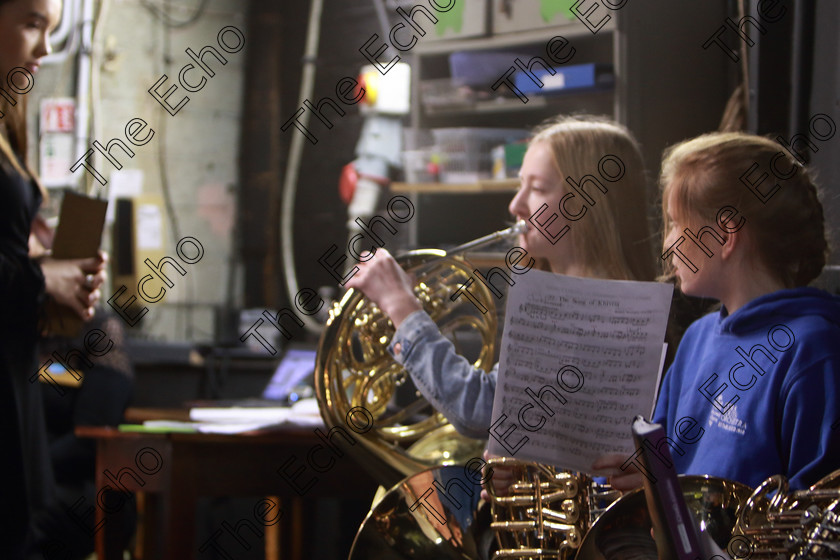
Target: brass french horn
{"x": 413, "y": 521}
{"x": 546, "y": 512}
{"x": 624, "y": 529}
{"x": 355, "y": 372}
{"x": 793, "y": 525}
{"x": 354, "y": 369}
{"x": 770, "y": 523}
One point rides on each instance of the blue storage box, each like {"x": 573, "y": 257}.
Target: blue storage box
{"x": 576, "y": 76}
{"x": 481, "y": 69}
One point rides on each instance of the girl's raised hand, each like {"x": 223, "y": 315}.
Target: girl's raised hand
{"x": 385, "y": 283}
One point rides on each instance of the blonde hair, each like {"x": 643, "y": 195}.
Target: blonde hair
{"x": 614, "y": 239}
{"x": 704, "y": 174}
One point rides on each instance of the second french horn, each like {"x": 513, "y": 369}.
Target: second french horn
{"x": 546, "y": 512}
{"x": 793, "y": 525}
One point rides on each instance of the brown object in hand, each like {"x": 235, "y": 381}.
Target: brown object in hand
{"x": 77, "y": 236}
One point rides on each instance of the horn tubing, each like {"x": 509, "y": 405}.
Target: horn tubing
{"x": 520, "y": 227}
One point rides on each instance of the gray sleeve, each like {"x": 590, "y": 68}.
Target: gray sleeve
{"x": 463, "y": 393}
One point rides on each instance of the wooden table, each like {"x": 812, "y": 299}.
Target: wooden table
{"x": 173, "y": 470}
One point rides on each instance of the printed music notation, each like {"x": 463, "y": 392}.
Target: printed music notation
{"x": 579, "y": 359}
{"x": 544, "y": 312}
{"x": 635, "y": 334}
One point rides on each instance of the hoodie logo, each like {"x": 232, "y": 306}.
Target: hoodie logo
{"x": 728, "y": 421}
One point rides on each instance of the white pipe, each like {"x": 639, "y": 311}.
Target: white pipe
{"x": 83, "y": 82}
{"x": 69, "y": 17}
{"x": 295, "y": 154}
{"x": 95, "y": 57}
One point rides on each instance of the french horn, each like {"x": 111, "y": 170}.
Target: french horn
{"x": 624, "y": 529}
{"x": 416, "y": 445}
{"x": 354, "y": 369}
{"x": 770, "y": 523}
{"x": 409, "y": 522}
{"x": 793, "y": 525}
{"x": 546, "y": 512}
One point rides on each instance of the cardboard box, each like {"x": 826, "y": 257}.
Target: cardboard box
{"x": 464, "y": 19}
{"x": 526, "y": 15}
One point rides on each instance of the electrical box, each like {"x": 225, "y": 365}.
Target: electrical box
{"x": 139, "y": 233}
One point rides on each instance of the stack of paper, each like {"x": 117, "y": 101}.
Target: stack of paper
{"x": 234, "y": 420}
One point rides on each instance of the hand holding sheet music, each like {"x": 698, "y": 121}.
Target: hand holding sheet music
{"x": 579, "y": 360}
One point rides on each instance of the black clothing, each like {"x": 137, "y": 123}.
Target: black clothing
{"x": 24, "y": 463}
{"x": 21, "y": 280}
{"x": 100, "y": 401}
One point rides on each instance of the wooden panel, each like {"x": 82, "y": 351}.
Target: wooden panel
{"x": 506, "y": 185}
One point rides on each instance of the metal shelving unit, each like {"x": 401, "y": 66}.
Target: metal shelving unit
{"x": 666, "y": 87}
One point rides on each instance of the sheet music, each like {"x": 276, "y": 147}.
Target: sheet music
{"x": 595, "y": 344}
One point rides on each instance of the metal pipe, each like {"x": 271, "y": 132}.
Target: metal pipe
{"x": 83, "y": 81}
{"x": 307, "y": 85}
{"x": 519, "y": 227}
{"x": 70, "y": 17}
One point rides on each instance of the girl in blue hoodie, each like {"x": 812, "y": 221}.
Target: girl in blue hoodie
{"x": 754, "y": 388}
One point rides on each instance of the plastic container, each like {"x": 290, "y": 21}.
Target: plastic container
{"x": 416, "y": 165}
{"x": 445, "y": 94}
{"x": 466, "y": 153}
{"x": 416, "y": 138}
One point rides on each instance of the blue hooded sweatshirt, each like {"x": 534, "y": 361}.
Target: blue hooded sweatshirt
{"x": 755, "y": 393}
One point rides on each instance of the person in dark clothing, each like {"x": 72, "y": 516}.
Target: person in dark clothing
{"x": 100, "y": 400}
{"x": 25, "y": 283}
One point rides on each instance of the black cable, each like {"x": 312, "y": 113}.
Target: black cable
{"x": 163, "y": 167}
{"x": 163, "y": 170}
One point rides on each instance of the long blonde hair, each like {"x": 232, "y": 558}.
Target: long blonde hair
{"x": 704, "y": 174}
{"x": 614, "y": 239}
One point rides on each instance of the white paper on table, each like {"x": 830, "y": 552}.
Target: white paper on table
{"x": 306, "y": 412}
{"x": 234, "y": 428}
{"x": 241, "y": 414}
{"x": 236, "y": 419}
{"x": 597, "y": 344}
